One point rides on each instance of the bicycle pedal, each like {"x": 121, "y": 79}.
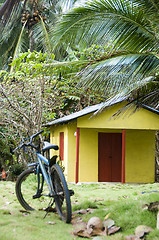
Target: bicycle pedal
{"x": 71, "y": 192}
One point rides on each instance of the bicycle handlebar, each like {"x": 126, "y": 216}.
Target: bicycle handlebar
{"x": 36, "y": 134}
{"x": 29, "y": 143}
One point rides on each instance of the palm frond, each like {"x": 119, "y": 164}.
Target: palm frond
{"x": 128, "y": 93}
{"x": 150, "y": 98}
{"x": 41, "y": 36}
{"x": 99, "y": 20}
{"x": 19, "y": 45}
{"x": 9, "y": 13}
{"x": 116, "y": 72}
{"x": 67, "y": 4}
{"x": 148, "y": 5}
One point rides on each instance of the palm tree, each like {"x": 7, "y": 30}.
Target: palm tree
{"x": 130, "y": 27}
{"x": 25, "y": 25}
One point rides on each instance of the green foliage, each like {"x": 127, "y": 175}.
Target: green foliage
{"x": 130, "y": 29}
{"x": 40, "y": 89}
{"x": 27, "y": 25}
{"x": 6, "y": 142}
{"x": 94, "y": 52}
{"x": 15, "y": 170}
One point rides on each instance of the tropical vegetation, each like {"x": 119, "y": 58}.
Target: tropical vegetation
{"x": 26, "y": 24}
{"x": 80, "y": 53}
{"x": 130, "y": 29}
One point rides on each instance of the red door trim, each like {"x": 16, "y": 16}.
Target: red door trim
{"x": 61, "y": 146}
{"x": 77, "y": 155}
{"x": 123, "y": 157}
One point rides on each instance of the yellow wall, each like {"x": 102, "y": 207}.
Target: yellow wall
{"x": 55, "y": 139}
{"x": 88, "y": 156}
{"x": 71, "y": 161}
{"x": 69, "y": 147}
{"x": 141, "y": 119}
{"x": 140, "y": 156}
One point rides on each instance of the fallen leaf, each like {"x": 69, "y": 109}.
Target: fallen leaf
{"x": 24, "y": 211}
{"x": 142, "y": 229}
{"x": 107, "y": 216}
{"x": 97, "y": 238}
{"x": 76, "y": 220}
{"x": 80, "y": 226}
{"x": 82, "y": 233}
{"x": 83, "y": 211}
{"x": 109, "y": 223}
{"x": 50, "y": 209}
{"x": 90, "y": 231}
{"x": 51, "y": 223}
{"x": 90, "y": 210}
{"x": 99, "y": 232}
{"x": 132, "y": 237}
{"x": 113, "y": 230}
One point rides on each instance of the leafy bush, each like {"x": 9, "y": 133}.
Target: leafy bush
{"x": 15, "y": 170}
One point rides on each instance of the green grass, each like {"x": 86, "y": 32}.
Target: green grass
{"x": 124, "y": 203}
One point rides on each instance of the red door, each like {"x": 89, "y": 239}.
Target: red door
{"x": 109, "y": 157}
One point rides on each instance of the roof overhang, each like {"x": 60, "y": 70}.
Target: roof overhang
{"x": 81, "y": 113}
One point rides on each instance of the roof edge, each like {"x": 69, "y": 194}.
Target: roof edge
{"x": 85, "y": 111}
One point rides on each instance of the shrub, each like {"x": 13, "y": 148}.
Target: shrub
{"x": 15, "y": 170}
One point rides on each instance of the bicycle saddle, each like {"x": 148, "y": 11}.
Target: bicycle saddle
{"x": 48, "y": 146}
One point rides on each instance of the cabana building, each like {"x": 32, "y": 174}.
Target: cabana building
{"x": 106, "y": 148}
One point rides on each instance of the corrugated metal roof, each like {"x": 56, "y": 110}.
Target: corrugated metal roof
{"x": 81, "y": 113}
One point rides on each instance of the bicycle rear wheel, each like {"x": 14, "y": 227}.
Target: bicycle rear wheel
{"x": 26, "y": 188}
{"x": 62, "y": 198}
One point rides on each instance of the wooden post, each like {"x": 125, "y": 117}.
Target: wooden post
{"x": 123, "y": 157}
{"x": 77, "y": 155}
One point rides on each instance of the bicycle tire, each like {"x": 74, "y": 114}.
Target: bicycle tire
{"x": 26, "y": 188}
{"x": 62, "y": 198}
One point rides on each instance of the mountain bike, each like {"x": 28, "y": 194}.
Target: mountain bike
{"x": 43, "y": 183}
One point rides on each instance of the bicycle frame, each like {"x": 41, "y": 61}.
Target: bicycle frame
{"x": 46, "y": 176}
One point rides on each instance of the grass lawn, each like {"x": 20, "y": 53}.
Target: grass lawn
{"x": 124, "y": 203}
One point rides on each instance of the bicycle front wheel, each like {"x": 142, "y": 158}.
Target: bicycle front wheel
{"x": 62, "y": 198}
{"x": 26, "y": 188}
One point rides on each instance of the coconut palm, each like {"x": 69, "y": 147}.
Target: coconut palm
{"x": 25, "y": 25}
{"x": 130, "y": 27}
